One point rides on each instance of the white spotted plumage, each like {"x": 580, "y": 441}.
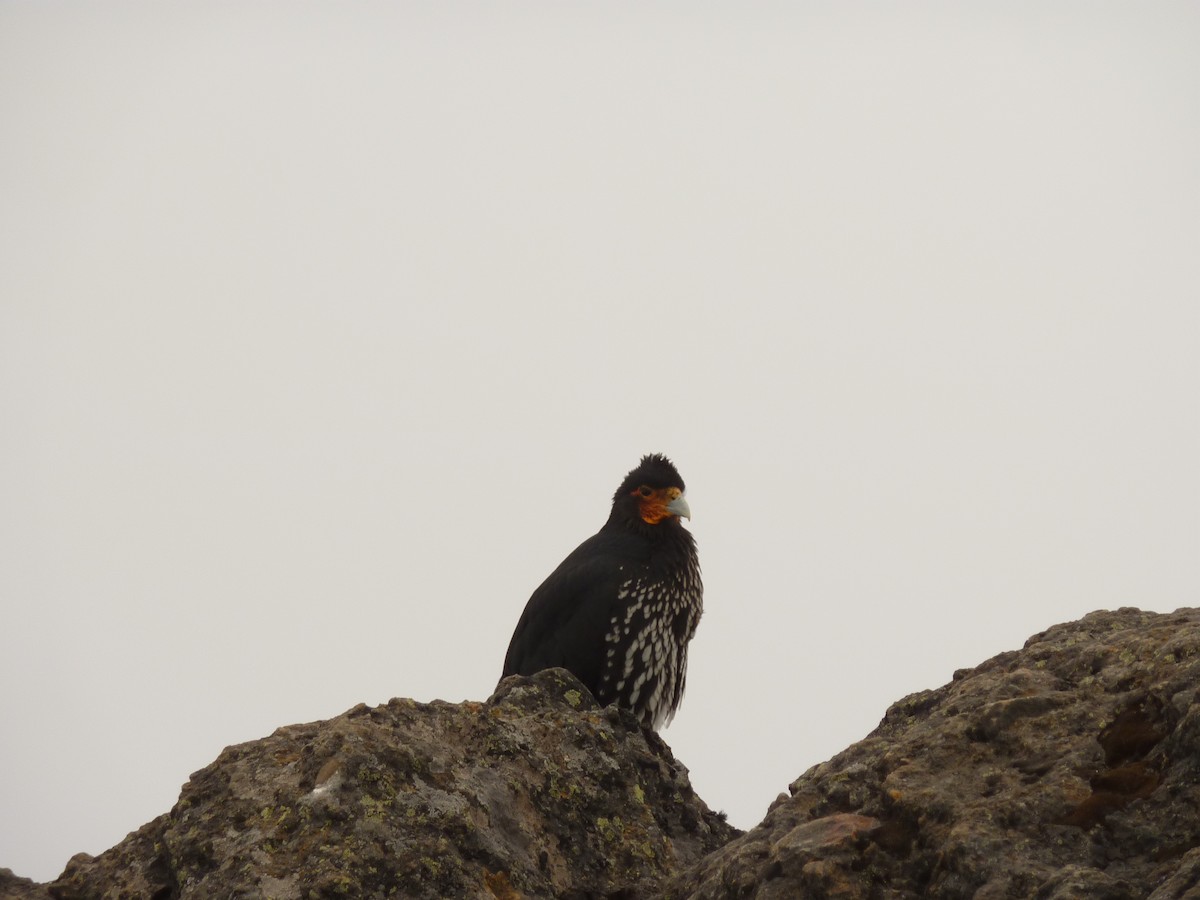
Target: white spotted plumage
{"x": 645, "y": 666}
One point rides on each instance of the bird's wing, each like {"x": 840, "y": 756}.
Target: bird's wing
{"x": 567, "y": 612}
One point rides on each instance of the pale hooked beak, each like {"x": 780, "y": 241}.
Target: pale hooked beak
{"x": 679, "y": 507}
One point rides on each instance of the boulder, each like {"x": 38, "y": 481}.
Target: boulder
{"x": 1067, "y": 769}
{"x": 535, "y": 793}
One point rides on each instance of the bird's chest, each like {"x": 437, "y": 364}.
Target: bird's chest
{"x": 646, "y": 606}
{"x": 652, "y": 620}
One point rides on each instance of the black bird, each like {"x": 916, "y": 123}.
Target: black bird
{"x": 620, "y": 610}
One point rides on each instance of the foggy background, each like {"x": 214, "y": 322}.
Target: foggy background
{"x": 327, "y": 330}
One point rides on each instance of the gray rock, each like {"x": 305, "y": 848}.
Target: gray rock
{"x": 1184, "y": 884}
{"x": 14, "y": 887}
{"x": 536, "y": 792}
{"x": 1068, "y": 769}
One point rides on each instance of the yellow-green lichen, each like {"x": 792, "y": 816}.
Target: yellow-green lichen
{"x": 609, "y": 829}
{"x": 431, "y": 865}
{"x": 375, "y": 809}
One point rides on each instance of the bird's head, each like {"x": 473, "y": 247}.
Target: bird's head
{"x": 653, "y": 492}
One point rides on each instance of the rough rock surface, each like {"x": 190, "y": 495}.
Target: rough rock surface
{"x": 14, "y": 887}
{"x": 536, "y": 792}
{"x": 1068, "y": 769}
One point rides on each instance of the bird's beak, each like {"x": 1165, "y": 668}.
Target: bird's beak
{"x": 679, "y": 507}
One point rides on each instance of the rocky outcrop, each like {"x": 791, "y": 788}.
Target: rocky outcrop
{"x": 536, "y": 792}
{"x": 1068, "y": 769}
{"x": 14, "y": 887}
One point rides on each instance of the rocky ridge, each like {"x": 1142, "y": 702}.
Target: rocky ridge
{"x": 1067, "y": 769}
{"x": 537, "y": 792}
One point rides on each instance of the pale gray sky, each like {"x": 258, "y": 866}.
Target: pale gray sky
{"x": 327, "y": 330}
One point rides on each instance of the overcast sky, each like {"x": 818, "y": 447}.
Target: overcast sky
{"x": 327, "y": 330}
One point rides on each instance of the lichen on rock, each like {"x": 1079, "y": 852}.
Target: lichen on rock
{"x": 536, "y": 792}
{"x": 1067, "y": 769}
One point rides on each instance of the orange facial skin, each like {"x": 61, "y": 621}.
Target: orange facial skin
{"x": 653, "y": 503}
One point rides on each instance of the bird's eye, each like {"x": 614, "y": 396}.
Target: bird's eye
{"x": 644, "y": 491}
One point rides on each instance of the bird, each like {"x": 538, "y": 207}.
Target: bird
{"x": 620, "y": 610}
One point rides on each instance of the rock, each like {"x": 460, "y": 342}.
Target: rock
{"x": 536, "y": 792}
{"x": 1068, "y": 769}
{"x": 1184, "y": 884}
{"x": 14, "y": 887}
